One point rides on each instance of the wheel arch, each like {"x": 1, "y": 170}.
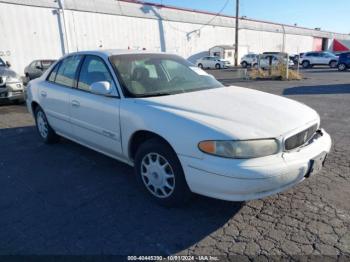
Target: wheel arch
{"x": 34, "y": 105}
{"x": 139, "y": 137}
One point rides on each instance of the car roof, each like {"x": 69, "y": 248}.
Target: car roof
{"x": 111, "y": 52}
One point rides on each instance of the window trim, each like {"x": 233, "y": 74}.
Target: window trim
{"x": 49, "y": 74}
{"x": 109, "y": 71}
{"x": 59, "y": 64}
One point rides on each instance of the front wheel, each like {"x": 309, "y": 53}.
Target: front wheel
{"x": 45, "y": 131}
{"x": 217, "y": 66}
{"x": 159, "y": 173}
{"x": 244, "y": 64}
{"x": 342, "y": 67}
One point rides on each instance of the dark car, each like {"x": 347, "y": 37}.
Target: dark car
{"x": 36, "y": 68}
{"x": 344, "y": 61}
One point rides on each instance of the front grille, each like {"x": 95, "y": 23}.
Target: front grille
{"x": 300, "y": 139}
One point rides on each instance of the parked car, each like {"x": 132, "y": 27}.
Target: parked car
{"x": 344, "y": 61}
{"x": 37, "y": 68}
{"x": 338, "y": 53}
{"x": 311, "y": 59}
{"x": 180, "y": 128}
{"x": 249, "y": 60}
{"x": 212, "y": 62}
{"x": 11, "y": 86}
{"x": 264, "y": 62}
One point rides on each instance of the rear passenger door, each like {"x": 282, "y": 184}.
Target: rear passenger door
{"x": 95, "y": 118}
{"x": 55, "y": 91}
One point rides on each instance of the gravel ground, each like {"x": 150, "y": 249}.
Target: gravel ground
{"x": 66, "y": 199}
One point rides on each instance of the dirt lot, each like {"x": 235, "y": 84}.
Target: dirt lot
{"x": 66, "y": 199}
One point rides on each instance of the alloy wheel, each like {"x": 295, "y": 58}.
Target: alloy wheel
{"x": 157, "y": 175}
{"x": 42, "y": 124}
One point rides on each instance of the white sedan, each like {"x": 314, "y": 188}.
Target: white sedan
{"x": 212, "y": 62}
{"x": 180, "y": 128}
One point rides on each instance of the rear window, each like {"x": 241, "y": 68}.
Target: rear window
{"x": 47, "y": 63}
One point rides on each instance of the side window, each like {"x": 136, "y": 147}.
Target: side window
{"x": 52, "y": 76}
{"x": 93, "y": 70}
{"x": 67, "y": 72}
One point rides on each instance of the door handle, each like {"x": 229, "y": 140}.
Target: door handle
{"x": 43, "y": 94}
{"x": 75, "y": 103}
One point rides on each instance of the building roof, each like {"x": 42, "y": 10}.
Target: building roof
{"x": 143, "y": 9}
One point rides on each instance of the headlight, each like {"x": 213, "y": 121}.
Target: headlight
{"x": 240, "y": 149}
{"x": 11, "y": 79}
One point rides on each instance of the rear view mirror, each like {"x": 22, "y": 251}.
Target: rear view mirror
{"x": 39, "y": 67}
{"x": 101, "y": 88}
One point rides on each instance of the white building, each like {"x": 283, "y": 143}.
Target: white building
{"x": 34, "y": 29}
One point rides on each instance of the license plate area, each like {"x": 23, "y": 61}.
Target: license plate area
{"x": 316, "y": 164}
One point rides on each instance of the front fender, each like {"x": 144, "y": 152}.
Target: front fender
{"x": 181, "y": 133}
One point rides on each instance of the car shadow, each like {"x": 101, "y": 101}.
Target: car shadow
{"x": 66, "y": 199}
{"x": 319, "y": 89}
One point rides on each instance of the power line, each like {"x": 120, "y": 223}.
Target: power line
{"x": 205, "y": 24}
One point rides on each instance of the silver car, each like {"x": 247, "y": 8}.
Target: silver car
{"x": 11, "y": 86}
{"x": 36, "y": 68}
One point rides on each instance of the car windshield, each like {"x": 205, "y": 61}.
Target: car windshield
{"x": 144, "y": 75}
{"x": 2, "y": 63}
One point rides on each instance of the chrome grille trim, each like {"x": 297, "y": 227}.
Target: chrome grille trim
{"x": 300, "y": 139}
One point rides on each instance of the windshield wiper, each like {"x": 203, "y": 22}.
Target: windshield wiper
{"x": 154, "y": 94}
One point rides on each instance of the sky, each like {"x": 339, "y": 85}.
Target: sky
{"x": 328, "y": 15}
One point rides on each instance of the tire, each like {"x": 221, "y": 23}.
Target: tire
{"x": 244, "y": 64}
{"x": 43, "y": 127}
{"x": 200, "y": 66}
{"x": 305, "y": 64}
{"x": 342, "y": 67}
{"x": 255, "y": 66}
{"x": 156, "y": 163}
{"x": 333, "y": 64}
{"x": 218, "y": 66}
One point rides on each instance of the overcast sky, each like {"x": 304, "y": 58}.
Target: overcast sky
{"x": 329, "y": 15}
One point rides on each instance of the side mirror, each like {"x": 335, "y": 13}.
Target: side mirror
{"x": 8, "y": 64}
{"x": 101, "y": 88}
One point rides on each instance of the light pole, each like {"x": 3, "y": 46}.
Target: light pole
{"x": 66, "y": 42}
{"x": 236, "y": 33}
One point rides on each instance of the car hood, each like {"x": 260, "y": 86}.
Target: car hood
{"x": 239, "y": 113}
{"x": 5, "y": 71}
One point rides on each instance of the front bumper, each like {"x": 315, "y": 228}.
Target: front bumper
{"x": 12, "y": 91}
{"x": 241, "y": 180}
